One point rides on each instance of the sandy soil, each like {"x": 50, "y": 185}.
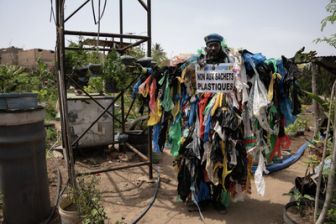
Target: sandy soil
{"x": 127, "y": 192}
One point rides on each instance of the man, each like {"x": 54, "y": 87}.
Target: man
{"x": 214, "y": 51}
{"x": 200, "y": 180}
{"x": 215, "y": 54}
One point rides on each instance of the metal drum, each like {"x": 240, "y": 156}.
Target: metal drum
{"x": 23, "y": 171}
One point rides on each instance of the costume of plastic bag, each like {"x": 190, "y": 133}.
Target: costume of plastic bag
{"x": 216, "y": 137}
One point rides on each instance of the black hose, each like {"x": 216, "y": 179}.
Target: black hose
{"x": 150, "y": 204}
{"x": 52, "y": 12}
{"x": 135, "y": 220}
{"x": 100, "y": 15}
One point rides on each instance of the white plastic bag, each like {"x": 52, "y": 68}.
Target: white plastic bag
{"x": 258, "y": 175}
{"x": 258, "y": 102}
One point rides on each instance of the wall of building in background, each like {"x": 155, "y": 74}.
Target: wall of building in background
{"x": 9, "y": 56}
{"x": 27, "y": 58}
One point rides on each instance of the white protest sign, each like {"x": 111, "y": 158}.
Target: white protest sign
{"x": 215, "y": 78}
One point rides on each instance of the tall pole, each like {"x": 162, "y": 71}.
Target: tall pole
{"x": 121, "y": 21}
{"x": 149, "y": 28}
{"x": 149, "y": 54}
{"x": 314, "y": 71}
{"x": 62, "y": 94}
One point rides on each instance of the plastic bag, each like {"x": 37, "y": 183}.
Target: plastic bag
{"x": 258, "y": 102}
{"x": 258, "y": 96}
{"x": 258, "y": 175}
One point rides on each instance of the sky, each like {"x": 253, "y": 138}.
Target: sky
{"x": 270, "y": 27}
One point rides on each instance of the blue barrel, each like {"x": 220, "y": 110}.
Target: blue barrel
{"x": 23, "y": 170}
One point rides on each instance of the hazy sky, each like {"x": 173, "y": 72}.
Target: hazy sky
{"x": 272, "y": 27}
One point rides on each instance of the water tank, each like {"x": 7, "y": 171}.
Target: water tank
{"x": 23, "y": 171}
{"x": 82, "y": 111}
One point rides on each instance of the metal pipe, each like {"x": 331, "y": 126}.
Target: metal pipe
{"x": 132, "y": 45}
{"x": 121, "y": 19}
{"x": 149, "y": 28}
{"x": 122, "y": 112}
{"x": 94, "y": 34}
{"x": 62, "y": 90}
{"x": 113, "y": 168}
{"x": 87, "y": 49}
{"x": 136, "y": 151}
{"x": 150, "y": 153}
{"x": 143, "y": 5}
{"x": 113, "y": 140}
{"x": 76, "y": 11}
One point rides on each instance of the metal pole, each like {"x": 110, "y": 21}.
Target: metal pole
{"x": 113, "y": 118}
{"x": 94, "y": 34}
{"x": 62, "y": 91}
{"x": 150, "y": 156}
{"x": 76, "y": 11}
{"x": 149, "y": 28}
{"x": 136, "y": 151}
{"x": 314, "y": 70}
{"x": 143, "y": 4}
{"x": 121, "y": 21}
{"x": 122, "y": 112}
{"x": 149, "y": 53}
{"x": 113, "y": 168}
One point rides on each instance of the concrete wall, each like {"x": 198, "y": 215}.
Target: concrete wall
{"x": 9, "y": 56}
{"x": 27, "y": 58}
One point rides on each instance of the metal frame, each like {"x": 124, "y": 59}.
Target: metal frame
{"x": 120, "y": 46}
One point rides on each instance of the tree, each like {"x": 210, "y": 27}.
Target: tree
{"x": 159, "y": 55}
{"x": 331, "y": 18}
{"x": 79, "y": 58}
{"x": 137, "y": 52}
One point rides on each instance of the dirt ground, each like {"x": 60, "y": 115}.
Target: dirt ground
{"x": 127, "y": 192}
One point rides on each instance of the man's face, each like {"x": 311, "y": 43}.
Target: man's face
{"x": 212, "y": 50}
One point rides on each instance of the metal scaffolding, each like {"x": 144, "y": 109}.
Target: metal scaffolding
{"x": 108, "y": 45}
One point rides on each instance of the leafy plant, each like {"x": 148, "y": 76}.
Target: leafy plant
{"x": 331, "y": 18}
{"x": 113, "y": 71}
{"x": 96, "y": 85}
{"x": 46, "y": 88}
{"x": 299, "y": 125}
{"x": 323, "y": 86}
{"x": 87, "y": 200}
{"x": 302, "y": 201}
{"x": 15, "y": 79}
{"x": 41, "y": 81}
{"x": 80, "y": 57}
{"x": 331, "y": 216}
{"x": 325, "y": 106}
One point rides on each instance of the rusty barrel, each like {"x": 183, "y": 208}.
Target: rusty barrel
{"x": 23, "y": 171}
